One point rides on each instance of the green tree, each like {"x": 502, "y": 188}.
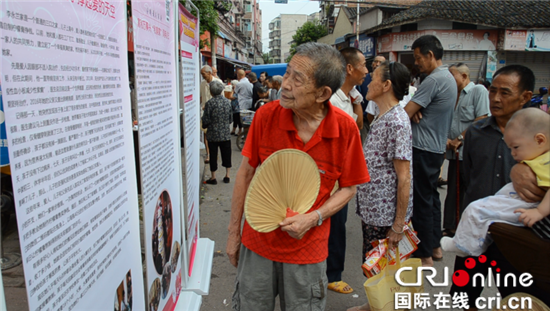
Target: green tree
{"x": 310, "y": 31}
{"x": 267, "y": 58}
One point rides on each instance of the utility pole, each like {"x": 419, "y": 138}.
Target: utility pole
{"x": 357, "y": 25}
{"x": 213, "y": 49}
{"x": 252, "y": 40}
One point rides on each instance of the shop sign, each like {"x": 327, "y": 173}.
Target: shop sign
{"x": 527, "y": 40}
{"x": 219, "y": 46}
{"x": 227, "y": 52}
{"x": 366, "y": 45}
{"x": 515, "y": 40}
{"x": 456, "y": 40}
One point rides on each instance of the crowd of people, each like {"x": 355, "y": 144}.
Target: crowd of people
{"x": 384, "y": 141}
{"x": 219, "y": 111}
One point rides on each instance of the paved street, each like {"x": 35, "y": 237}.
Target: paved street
{"x": 215, "y": 211}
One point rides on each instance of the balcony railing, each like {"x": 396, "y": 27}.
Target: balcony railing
{"x": 274, "y": 53}
{"x": 274, "y": 34}
{"x": 239, "y": 32}
{"x": 275, "y": 43}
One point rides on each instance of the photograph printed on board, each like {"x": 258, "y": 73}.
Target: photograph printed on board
{"x": 162, "y": 232}
{"x": 123, "y": 294}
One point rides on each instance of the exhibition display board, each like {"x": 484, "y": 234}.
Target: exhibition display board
{"x": 189, "y": 44}
{"x": 67, "y": 112}
{"x": 154, "y": 24}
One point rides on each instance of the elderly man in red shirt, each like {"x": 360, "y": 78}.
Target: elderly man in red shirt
{"x": 290, "y": 262}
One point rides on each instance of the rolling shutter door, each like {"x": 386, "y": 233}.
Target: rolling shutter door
{"x": 471, "y": 58}
{"x": 539, "y": 62}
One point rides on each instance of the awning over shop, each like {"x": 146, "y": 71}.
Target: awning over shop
{"x": 222, "y": 35}
{"x": 235, "y": 62}
{"x": 339, "y": 40}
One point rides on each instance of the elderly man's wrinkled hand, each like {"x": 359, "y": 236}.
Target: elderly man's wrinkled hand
{"x": 297, "y": 226}
{"x": 448, "y": 145}
{"x": 525, "y": 183}
{"x": 455, "y": 144}
{"x": 233, "y": 248}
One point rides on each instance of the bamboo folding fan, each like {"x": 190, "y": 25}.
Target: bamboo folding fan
{"x": 288, "y": 178}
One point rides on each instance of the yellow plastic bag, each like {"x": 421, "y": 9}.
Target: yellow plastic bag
{"x": 381, "y": 288}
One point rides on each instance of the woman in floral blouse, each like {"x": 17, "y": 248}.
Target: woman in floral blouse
{"x": 385, "y": 203}
{"x": 217, "y": 117}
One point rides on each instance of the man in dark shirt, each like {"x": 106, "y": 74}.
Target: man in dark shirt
{"x": 256, "y": 85}
{"x": 488, "y": 163}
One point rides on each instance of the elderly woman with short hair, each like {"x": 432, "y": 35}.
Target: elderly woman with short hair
{"x": 217, "y": 117}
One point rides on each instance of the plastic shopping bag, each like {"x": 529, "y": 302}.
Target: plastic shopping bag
{"x": 375, "y": 259}
{"x": 381, "y": 289}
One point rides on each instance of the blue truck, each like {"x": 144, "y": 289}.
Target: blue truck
{"x": 271, "y": 69}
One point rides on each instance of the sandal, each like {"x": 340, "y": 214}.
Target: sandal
{"x": 211, "y": 182}
{"x": 226, "y": 180}
{"x": 339, "y": 287}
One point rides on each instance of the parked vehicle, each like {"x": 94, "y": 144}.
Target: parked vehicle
{"x": 536, "y": 100}
{"x": 271, "y": 69}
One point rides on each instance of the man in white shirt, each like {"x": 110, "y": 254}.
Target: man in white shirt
{"x": 347, "y": 97}
{"x": 208, "y": 76}
{"x": 274, "y": 83}
{"x": 215, "y": 72}
{"x": 349, "y": 100}
{"x": 243, "y": 91}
